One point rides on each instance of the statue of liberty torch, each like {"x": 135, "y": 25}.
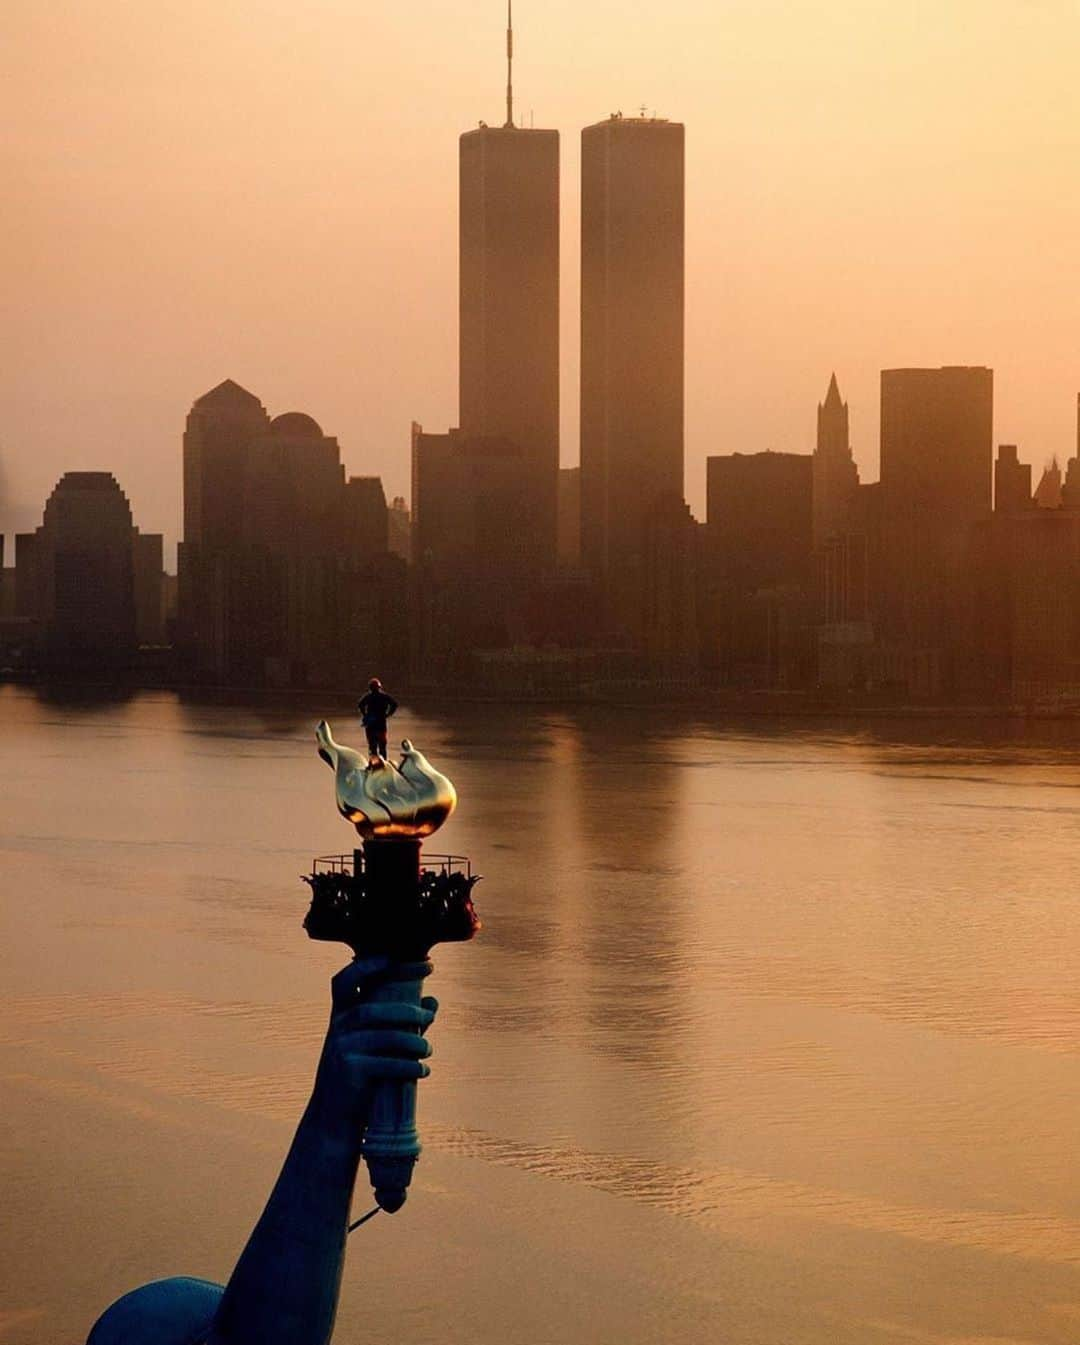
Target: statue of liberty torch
{"x": 391, "y": 906}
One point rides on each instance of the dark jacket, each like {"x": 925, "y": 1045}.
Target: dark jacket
{"x": 376, "y": 707}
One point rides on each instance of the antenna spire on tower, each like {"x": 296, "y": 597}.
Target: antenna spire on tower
{"x": 509, "y": 62}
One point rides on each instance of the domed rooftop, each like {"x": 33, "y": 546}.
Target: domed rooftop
{"x": 295, "y": 425}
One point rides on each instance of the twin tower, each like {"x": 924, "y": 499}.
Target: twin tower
{"x": 632, "y": 305}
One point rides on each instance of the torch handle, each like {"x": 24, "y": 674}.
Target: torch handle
{"x": 391, "y": 1145}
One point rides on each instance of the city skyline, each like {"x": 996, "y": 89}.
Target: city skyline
{"x": 126, "y": 314}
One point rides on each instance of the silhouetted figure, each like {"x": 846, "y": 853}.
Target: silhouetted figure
{"x": 284, "y": 1289}
{"x": 375, "y": 709}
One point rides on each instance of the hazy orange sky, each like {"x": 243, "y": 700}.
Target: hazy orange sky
{"x": 267, "y": 191}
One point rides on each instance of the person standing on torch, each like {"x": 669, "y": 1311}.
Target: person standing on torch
{"x": 375, "y": 709}
{"x": 390, "y": 911}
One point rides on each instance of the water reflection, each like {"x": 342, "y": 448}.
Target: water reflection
{"x": 633, "y": 901}
{"x": 804, "y": 990}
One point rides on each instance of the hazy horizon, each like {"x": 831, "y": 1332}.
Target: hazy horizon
{"x": 269, "y": 194}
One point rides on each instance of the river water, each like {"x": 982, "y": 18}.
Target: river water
{"x": 772, "y": 1035}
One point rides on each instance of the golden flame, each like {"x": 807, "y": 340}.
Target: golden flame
{"x": 409, "y": 800}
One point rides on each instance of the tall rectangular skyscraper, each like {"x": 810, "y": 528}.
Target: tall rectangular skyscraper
{"x": 509, "y": 307}
{"x": 632, "y": 254}
{"x": 936, "y": 473}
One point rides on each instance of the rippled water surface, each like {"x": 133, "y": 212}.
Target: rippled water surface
{"x": 772, "y": 1034}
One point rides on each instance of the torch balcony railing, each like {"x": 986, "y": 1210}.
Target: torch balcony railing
{"x": 352, "y": 864}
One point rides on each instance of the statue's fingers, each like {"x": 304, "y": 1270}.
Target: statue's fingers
{"x": 385, "y": 1041}
{"x": 372, "y": 1067}
{"x": 431, "y": 1004}
{"x": 382, "y": 1014}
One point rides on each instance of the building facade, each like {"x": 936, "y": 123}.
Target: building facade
{"x": 473, "y": 563}
{"x": 1012, "y": 481}
{"x": 936, "y": 472}
{"x": 288, "y": 579}
{"x": 87, "y": 579}
{"x": 632, "y": 319}
{"x": 759, "y": 537}
{"x": 509, "y": 310}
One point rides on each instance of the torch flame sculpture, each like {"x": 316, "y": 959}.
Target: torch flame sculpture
{"x": 384, "y": 801}
{"x": 391, "y": 907}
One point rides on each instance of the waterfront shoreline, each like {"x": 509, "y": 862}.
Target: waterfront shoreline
{"x": 766, "y": 705}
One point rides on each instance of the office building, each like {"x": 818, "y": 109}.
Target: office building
{"x": 399, "y": 528}
{"x": 87, "y": 578}
{"x": 366, "y": 520}
{"x": 288, "y": 581}
{"x": 509, "y": 311}
{"x": 936, "y": 461}
{"x": 759, "y": 516}
{"x": 632, "y": 307}
{"x": 670, "y": 630}
{"x": 472, "y": 550}
{"x": 222, "y": 428}
{"x": 1012, "y": 481}
{"x": 1020, "y": 636}
{"x": 294, "y": 497}
{"x": 759, "y": 533}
